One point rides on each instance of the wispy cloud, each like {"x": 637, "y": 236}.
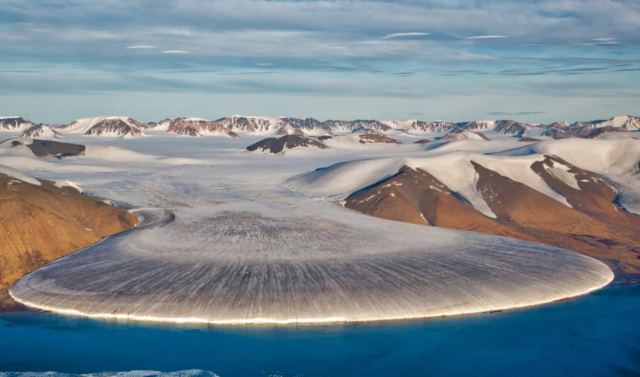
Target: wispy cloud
{"x": 405, "y": 35}
{"x": 605, "y": 41}
{"x": 350, "y": 48}
{"x": 176, "y": 51}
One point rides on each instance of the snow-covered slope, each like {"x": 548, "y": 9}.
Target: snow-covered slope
{"x": 122, "y": 126}
{"x": 14, "y": 124}
{"x": 626, "y": 122}
{"x": 465, "y": 135}
{"x": 255, "y": 125}
{"x": 454, "y": 169}
{"x": 13, "y": 173}
{"x": 41, "y": 131}
{"x": 194, "y": 127}
{"x": 617, "y": 160}
{"x": 607, "y": 157}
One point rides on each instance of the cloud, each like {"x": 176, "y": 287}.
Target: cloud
{"x": 351, "y": 47}
{"x": 140, "y": 47}
{"x": 605, "y": 41}
{"x": 405, "y": 35}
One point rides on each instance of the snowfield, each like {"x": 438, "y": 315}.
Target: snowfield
{"x": 616, "y": 159}
{"x": 231, "y": 237}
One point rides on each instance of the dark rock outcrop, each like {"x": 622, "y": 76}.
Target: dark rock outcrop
{"x": 278, "y": 145}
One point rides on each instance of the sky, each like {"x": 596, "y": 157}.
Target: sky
{"x": 530, "y": 60}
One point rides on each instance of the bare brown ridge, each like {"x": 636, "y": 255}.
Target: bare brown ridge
{"x": 41, "y": 223}
{"x": 594, "y": 224}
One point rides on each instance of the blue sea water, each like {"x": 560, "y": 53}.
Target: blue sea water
{"x": 594, "y": 335}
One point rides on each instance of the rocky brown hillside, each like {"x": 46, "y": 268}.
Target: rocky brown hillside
{"x": 593, "y": 224}
{"x": 41, "y": 223}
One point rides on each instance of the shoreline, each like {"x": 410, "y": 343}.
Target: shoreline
{"x": 295, "y": 322}
{"x": 9, "y": 304}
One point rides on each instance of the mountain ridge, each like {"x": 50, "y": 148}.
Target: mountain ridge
{"x": 234, "y": 126}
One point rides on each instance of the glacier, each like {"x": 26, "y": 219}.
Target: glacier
{"x": 225, "y": 240}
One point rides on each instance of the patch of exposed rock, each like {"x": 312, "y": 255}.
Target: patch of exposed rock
{"x": 113, "y": 126}
{"x": 278, "y": 145}
{"x": 14, "y": 124}
{"x": 45, "y": 131}
{"x": 41, "y": 223}
{"x": 415, "y": 196}
{"x": 370, "y": 138}
{"x": 45, "y": 148}
{"x": 593, "y": 224}
{"x": 197, "y": 127}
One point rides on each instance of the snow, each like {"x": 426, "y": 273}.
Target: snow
{"x": 619, "y": 135}
{"x": 561, "y": 172}
{"x": 465, "y": 135}
{"x": 400, "y": 124}
{"x": 41, "y": 132}
{"x": 457, "y": 173}
{"x": 116, "y": 154}
{"x": 453, "y": 169}
{"x": 84, "y": 125}
{"x": 18, "y": 175}
{"x": 67, "y": 183}
{"x": 230, "y": 237}
{"x": 622, "y": 121}
{"x": 485, "y": 125}
{"x": 4, "y": 127}
{"x": 616, "y": 159}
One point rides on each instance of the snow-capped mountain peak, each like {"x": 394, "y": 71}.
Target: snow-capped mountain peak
{"x": 122, "y": 126}
{"x": 41, "y": 131}
{"x": 14, "y": 123}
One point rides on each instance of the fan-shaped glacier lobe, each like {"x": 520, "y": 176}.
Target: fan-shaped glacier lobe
{"x": 257, "y": 265}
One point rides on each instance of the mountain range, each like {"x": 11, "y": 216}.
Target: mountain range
{"x": 235, "y": 126}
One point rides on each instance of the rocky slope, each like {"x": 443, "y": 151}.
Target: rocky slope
{"x": 41, "y": 131}
{"x": 121, "y": 126}
{"x": 593, "y": 223}
{"x": 373, "y": 137}
{"x": 195, "y": 127}
{"x": 14, "y": 124}
{"x": 40, "y": 222}
{"x": 279, "y": 145}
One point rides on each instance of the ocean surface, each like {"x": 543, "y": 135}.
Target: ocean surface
{"x": 594, "y": 335}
